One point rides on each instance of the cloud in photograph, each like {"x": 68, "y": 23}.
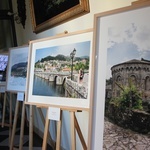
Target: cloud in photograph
{"x": 126, "y": 43}
{"x": 138, "y": 35}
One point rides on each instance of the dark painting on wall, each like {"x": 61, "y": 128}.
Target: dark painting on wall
{"x": 45, "y": 10}
{"x": 49, "y": 13}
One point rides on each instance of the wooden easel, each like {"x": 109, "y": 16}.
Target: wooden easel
{"x": 74, "y": 125}
{"x": 4, "y": 110}
{"x": 31, "y": 128}
{"x": 3, "y": 124}
{"x": 46, "y": 131}
{"x": 52, "y": 143}
{"x": 73, "y": 122}
{"x": 15, "y": 123}
{"x": 45, "y": 123}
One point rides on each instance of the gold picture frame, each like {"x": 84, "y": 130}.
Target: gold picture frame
{"x": 47, "y": 14}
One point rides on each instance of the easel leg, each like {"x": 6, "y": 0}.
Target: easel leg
{"x": 31, "y": 129}
{"x": 80, "y": 134}
{"x": 10, "y": 117}
{"x": 52, "y": 143}
{"x": 4, "y": 109}
{"x": 58, "y": 140}
{"x": 47, "y": 121}
{"x": 73, "y": 136}
{"x": 14, "y": 125}
{"x": 22, "y": 126}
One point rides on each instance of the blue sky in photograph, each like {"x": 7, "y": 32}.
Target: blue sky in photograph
{"x": 19, "y": 55}
{"x": 82, "y": 49}
{"x": 127, "y": 43}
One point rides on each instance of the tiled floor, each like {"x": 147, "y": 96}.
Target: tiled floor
{"x": 4, "y": 140}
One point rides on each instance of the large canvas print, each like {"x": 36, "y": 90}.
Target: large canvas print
{"x": 125, "y": 84}
{"x": 17, "y": 69}
{"x": 60, "y": 71}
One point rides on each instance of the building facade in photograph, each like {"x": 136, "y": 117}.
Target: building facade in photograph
{"x": 135, "y": 71}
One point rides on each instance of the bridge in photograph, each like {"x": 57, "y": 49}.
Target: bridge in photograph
{"x": 59, "y": 78}
{"x": 73, "y": 88}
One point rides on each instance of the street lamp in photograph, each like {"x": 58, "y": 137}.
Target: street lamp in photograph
{"x": 72, "y": 54}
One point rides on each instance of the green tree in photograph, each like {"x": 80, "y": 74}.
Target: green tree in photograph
{"x": 130, "y": 97}
{"x": 82, "y": 66}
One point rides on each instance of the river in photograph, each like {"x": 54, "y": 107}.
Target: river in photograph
{"x": 44, "y": 87}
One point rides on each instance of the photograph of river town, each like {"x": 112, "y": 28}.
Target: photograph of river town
{"x": 127, "y": 93}
{"x": 17, "y": 69}
{"x": 62, "y": 71}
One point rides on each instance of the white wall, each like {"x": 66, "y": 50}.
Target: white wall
{"x": 81, "y": 23}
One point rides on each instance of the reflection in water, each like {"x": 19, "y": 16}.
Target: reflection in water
{"x": 45, "y": 88}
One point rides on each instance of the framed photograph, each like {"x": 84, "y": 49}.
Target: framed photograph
{"x": 59, "y": 72}
{"x": 123, "y": 48}
{"x": 17, "y": 69}
{"x": 47, "y": 14}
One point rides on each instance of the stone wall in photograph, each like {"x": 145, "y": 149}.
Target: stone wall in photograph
{"x": 135, "y": 120}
